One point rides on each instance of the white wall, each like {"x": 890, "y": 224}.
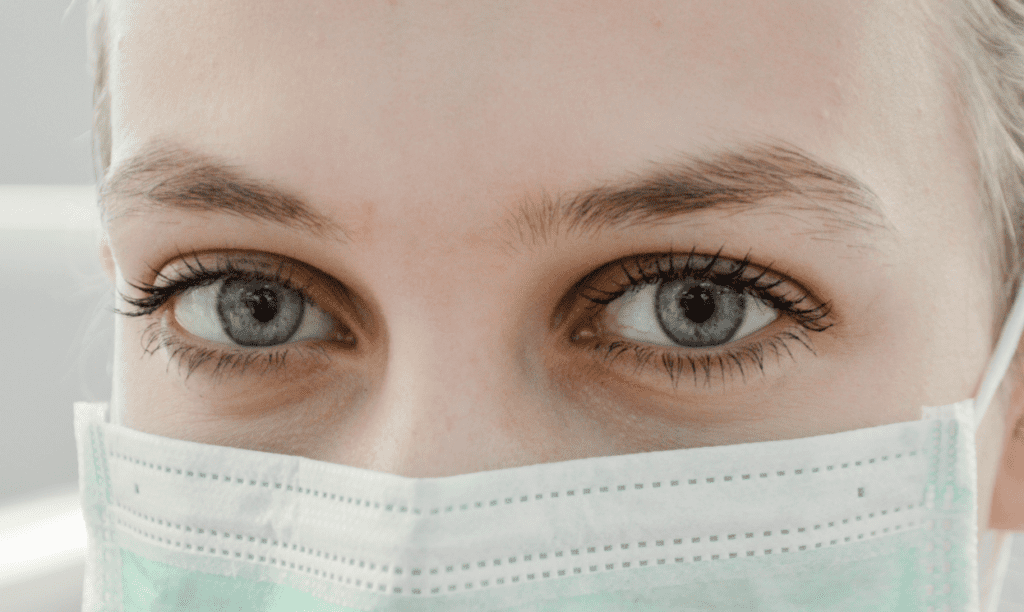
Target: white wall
{"x": 50, "y": 283}
{"x": 45, "y": 93}
{"x": 56, "y": 347}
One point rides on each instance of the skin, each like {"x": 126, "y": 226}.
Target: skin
{"x": 424, "y": 124}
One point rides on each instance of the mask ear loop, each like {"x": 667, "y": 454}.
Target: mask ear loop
{"x": 1001, "y": 358}
{"x": 1005, "y": 349}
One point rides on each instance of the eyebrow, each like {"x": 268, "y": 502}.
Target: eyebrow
{"x": 771, "y": 176}
{"x": 165, "y": 176}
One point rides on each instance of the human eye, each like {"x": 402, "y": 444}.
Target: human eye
{"x": 694, "y": 315}
{"x": 245, "y": 309}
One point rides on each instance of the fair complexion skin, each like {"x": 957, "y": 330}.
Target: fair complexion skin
{"x": 420, "y": 129}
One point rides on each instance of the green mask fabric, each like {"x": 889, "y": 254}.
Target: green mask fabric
{"x": 874, "y": 519}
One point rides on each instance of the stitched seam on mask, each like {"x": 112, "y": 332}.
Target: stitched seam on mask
{"x": 224, "y": 552}
{"x": 694, "y": 540}
{"x": 317, "y": 571}
{"x": 324, "y": 574}
{"x": 494, "y": 502}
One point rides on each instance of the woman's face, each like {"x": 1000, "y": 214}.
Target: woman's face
{"x": 448, "y": 177}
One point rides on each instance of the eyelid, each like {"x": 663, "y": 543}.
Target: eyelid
{"x": 580, "y": 310}
{"x": 614, "y": 279}
{"x": 636, "y": 311}
{"x": 323, "y": 291}
{"x": 198, "y": 269}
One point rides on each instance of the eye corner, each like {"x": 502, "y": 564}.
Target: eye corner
{"x": 345, "y": 337}
{"x": 583, "y": 334}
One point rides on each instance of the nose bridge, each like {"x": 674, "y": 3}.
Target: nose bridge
{"x": 447, "y": 317}
{"x": 450, "y": 387}
{"x": 451, "y": 361}
{"x": 441, "y": 410}
{"x": 456, "y": 392}
{"x": 444, "y": 321}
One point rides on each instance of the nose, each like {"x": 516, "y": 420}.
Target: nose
{"x": 465, "y": 383}
{"x": 454, "y": 398}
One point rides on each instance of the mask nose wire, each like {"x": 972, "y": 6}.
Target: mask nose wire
{"x": 1001, "y": 358}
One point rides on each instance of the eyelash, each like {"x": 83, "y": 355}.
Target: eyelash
{"x": 638, "y": 270}
{"x": 198, "y": 275}
{"x": 651, "y": 269}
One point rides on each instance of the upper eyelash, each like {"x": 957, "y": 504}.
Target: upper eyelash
{"x": 646, "y": 269}
{"x": 199, "y": 275}
{"x": 811, "y": 317}
{"x": 659, "y": 268}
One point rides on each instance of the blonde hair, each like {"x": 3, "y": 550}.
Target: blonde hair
{"x": 987, "y": 38}
{"x": 99, "y": 51}
{"x": 986, "y": 41}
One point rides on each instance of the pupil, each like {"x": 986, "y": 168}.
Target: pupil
{"x": 698, "y": 304}
{"x": 262, "y": 304}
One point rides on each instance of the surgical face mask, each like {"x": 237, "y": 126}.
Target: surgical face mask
{"x": 882, "y": 518}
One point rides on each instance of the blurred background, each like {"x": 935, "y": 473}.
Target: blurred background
{"x": 56, "y": 341}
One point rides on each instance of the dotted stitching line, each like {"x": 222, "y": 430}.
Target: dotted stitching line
{"x": 327, "y": 556}
{"x": 227, "y": 478}
{"x": 468, "y": 585}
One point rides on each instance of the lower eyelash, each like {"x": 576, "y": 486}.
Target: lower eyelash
{"x": 157, "y": 337}
{"x": 678, "y": 365}
{"x": 675, "y": 365}
{"x": 644, "y": 270}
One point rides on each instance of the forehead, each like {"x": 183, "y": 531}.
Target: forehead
{"x": 478, "y": 100}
